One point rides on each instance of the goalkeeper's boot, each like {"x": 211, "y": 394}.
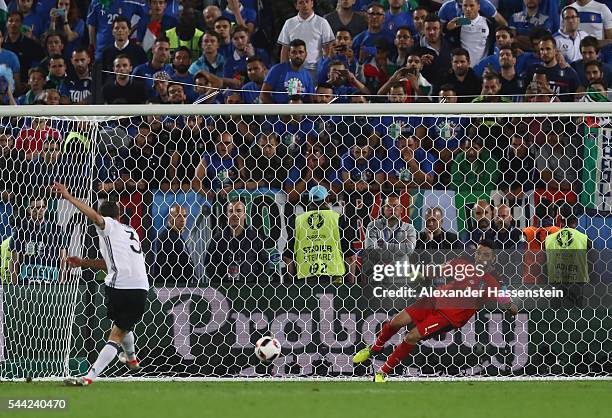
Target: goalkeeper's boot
{"x": 133, "y": 365}
{"x": 363, "y": 355}
{"x": 379, "y": 377}
{"x": 78, "y": 381}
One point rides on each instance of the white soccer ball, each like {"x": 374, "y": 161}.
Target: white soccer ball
{"x": 267, "y": 349}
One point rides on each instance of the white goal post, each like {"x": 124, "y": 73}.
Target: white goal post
{"x": 413, "y": 184}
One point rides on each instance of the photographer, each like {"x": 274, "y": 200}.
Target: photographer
{"x": 416, "y": 86}
{"x": 344, "y": 82}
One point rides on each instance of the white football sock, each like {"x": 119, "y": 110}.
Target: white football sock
{"x": 128, "y": 346}
{"x": 107, "y": 354}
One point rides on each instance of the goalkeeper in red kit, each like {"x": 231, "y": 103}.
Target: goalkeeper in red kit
{"x": 432, "y": 316}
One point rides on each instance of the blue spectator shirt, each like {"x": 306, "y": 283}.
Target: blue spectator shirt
{"x": 248, "y": 14}
{"x": 369, "y": 39}
{"x": 362, "y": 170}
{"x": 145, "y": 70}
{"x": 10, "y": 59}
{"x": 251, "y": 95}
{"x": 392, "y": 23}
{"x": 282, "y": 78}
{"x": 39, "y": 244}
{"x": 101, "y": 18}
{"x": 525, "y": 24}
{"x": 215, "y": 68}
{"x": 452, "y": 9}
{"x": 446, "y": 132}
{"x": 76, "y": 89}
{"x": 220, "y": 172}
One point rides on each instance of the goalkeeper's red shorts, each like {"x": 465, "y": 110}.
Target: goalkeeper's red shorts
{"x": 427, "y": 319}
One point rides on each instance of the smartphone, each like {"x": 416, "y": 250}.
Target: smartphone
{"x": 463, "y": 21}
{"x": 61, "y": 12}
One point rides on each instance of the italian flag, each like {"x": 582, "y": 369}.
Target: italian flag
{"x": 153, "y": 31}
{"x": 3, "y": 12}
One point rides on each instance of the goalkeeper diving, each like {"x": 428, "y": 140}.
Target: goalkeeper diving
{"x": 432, "y": 316}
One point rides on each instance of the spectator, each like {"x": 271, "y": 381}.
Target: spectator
{"x": 49, "y": 97}
{"x": 473, "y": 169}
{"x": 11, "y": 174}
{"x": 241, "y": 15}
{"x": 38, "y": 247}
{"x": 569, "y": 37}
{"x": 504, "y": 231}
{"x": 374, "y": 72}
{"x": 593, "y": 70}
{"x": 478, "y": 225}
{"x": 156, "y": 21}
{"x": 345, "y": 17}
{"x": 557, "y": 165}
{"x": 288, "y": 76}
{"x": 446, "y": 132}
{"x": 365, "y": 43}
{"x": 504, "y": 37}
{"x": 100, "y": 17}
{"x": 208, "y": 88}
{"x": 160, "y": 88}
{"x": 344, "y": 82}
{"x": 512, "y": 85}
{"x": 159, "y": 62}
{"x": 472, "y": 36}
{"x": 390, "y": 233}
{"x": 181, "y": 61}
{"x": 235, "y": 67}
{"x": 57, "y": 71}
{"x": 437, "y": 59}
{"x": 121, "y": 34}
{"x": 31, "y": 139}
{"x": 462, "y": 77}
{"x": 185, "y": 33}
{"x": 124, "y": 89}
{"x": 32, "y": 24}
{"x": 314, "y": 170}
{"x": 324, "y": 94}
{"x": 539, "y": 88}
{"x": 236, "y": 252}
{"x": 361, "y": 176}
{"x": 176, "y": 93}
{"x": 67, "y": 23}
{"x": 562, "y": 80}
{"x": 211, "y": 60}
{"x": 223, "y": 26}
{"x": 409, "y": 166}
{"x": 397, "y": 17}
{"x": 54, "y": 45}
{"x": 218, "y": 172}
{"x": 589, "y": 49}
{"x": 263, "y": 167}
{"x": 36, "y": 82}
{"x": 403, "y": 45}
{"x": 311, "y": 29}
{"x": 418, "y": 17}
{"x": 339, "y": 50}
{"x": 599, "y": 23}
{"x": 528, "y": 19}
{"x": 13, "y": 55}
{"x": 416, "y": 85}
{"x": 77, "y": 89}
{"x": 491, "y": 88}
{"x": 434, "y": 236}
{"x": 454, "y": 8}
{"x": 517, "y": 166}
{"x": 210, "y": 15}
{"x": 256, "y": 72}
{"x": 294, "y": 130}
{"x": 173, "y": 259}
{"x": 186, "y": 147}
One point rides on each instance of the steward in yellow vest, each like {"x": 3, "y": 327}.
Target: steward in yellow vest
{"x": 566, "y": 256}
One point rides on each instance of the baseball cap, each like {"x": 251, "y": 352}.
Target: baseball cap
{"x": 317, "y": 193}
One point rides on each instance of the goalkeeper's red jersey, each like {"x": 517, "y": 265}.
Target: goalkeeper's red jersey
{"x": 458, "y": 310}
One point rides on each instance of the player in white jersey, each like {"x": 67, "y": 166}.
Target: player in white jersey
{"x": 126, "y": 283}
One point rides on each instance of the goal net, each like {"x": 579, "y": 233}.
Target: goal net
{"x": 217, "y": 194}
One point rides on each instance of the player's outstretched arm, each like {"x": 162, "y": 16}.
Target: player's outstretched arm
{"x": 87, "y": 210}
{"x": 92, "y": 263}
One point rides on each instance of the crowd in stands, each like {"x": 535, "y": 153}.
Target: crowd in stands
{"x": 305, "y": 51}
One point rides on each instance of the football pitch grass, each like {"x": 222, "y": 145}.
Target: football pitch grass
{"x": 314, "y": 399}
